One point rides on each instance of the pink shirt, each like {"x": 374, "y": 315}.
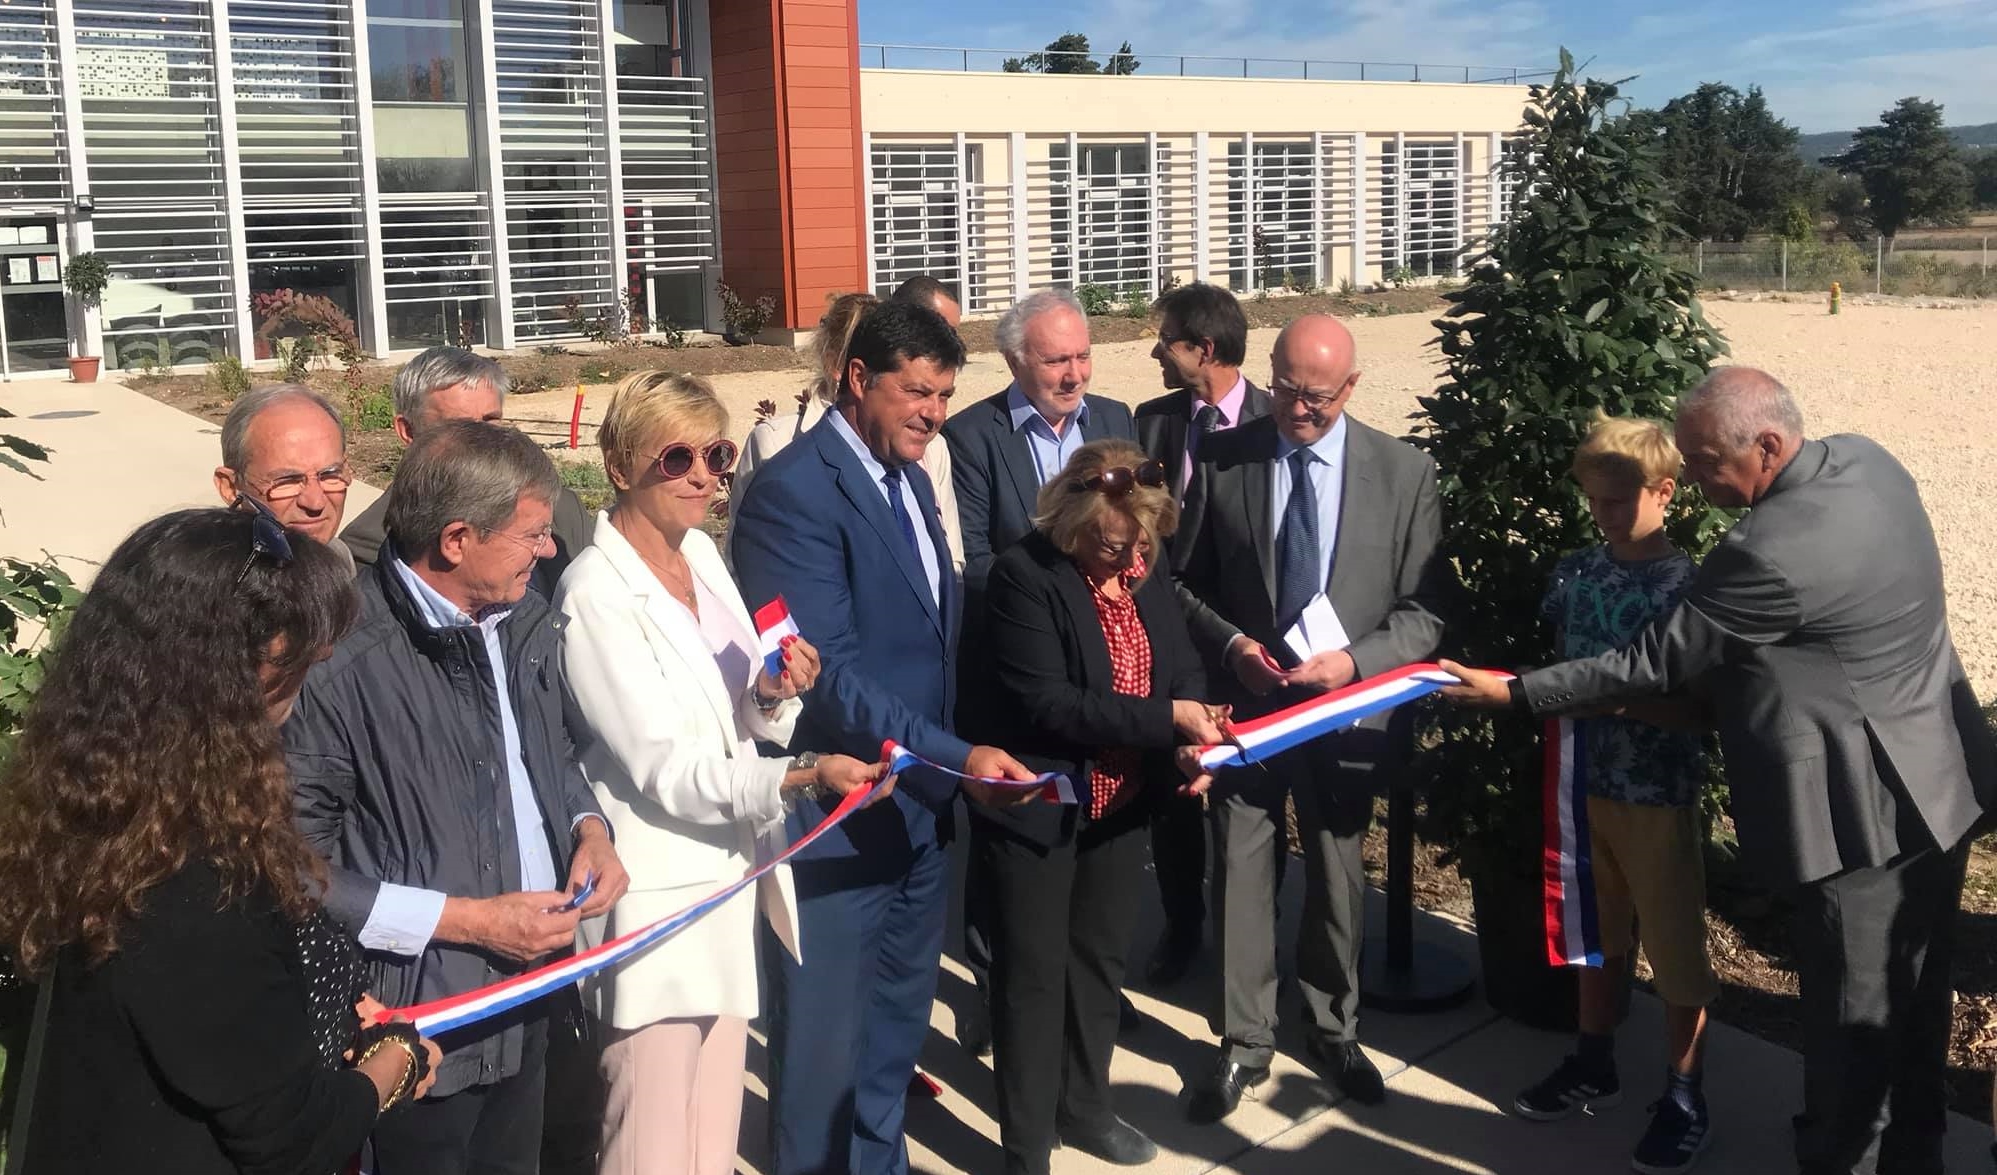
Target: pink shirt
{"x": 1230, "y": 415}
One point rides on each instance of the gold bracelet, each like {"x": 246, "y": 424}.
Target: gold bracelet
{"x": 407, "y": 1083}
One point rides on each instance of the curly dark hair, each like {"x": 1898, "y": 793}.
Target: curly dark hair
{"x": 150, "y": 743}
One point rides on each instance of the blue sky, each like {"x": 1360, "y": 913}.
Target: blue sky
{"x": 1825, "y": 64}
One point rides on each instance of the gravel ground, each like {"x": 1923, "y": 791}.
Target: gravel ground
{"x": 1921, "y": 381}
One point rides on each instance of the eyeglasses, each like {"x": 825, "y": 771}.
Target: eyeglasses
{"x": 676, "y": 461}
{"x": 334, "y": 479}
{"x": 1315, "y": 401}
{"x": 533, "y": 542}
{"x": 1118, "y": 480}
{"x": 267, "y": 536}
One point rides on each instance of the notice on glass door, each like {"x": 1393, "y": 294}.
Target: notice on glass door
{"x": 17, "y": 271}
{"x": 46, "y": 268}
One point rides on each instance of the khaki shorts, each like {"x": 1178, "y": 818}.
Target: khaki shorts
{"x": 1650, "y": 868}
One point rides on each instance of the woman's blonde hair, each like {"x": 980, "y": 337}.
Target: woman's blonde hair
{"x": 1070, "y": 514}
{"x": 825, "y": 350}
{"x": 650, "y": 410}
{"x": 1637, "y": 454}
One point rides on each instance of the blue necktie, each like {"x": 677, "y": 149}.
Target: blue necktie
{"x": 892, "y": 480}
{"x": 1296, "y": 545}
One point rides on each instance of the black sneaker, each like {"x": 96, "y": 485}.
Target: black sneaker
{"x": 1571, "y": 1087}
{"x": 1675, "y": 1139}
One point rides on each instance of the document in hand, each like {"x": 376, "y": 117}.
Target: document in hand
{"x": 1318, "y": 630}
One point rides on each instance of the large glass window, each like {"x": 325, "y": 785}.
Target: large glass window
{"x": 422, "y": 95}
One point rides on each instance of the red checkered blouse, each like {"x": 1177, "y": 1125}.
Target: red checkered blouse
{"x": 1117, "y": 777}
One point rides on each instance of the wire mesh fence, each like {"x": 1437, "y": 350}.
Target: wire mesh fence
{"x": 1951, "y": 265}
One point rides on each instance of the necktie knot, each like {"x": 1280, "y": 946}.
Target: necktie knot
{"x": 1207, "y": 419}
{"x": 1300, "y": 463}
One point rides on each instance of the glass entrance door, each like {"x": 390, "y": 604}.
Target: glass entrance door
{"x": 34, "y": 329}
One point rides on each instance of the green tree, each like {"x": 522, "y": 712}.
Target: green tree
{"x": 1069, "y": 53}
{"x": 1983, "y": 179}
{"x": 1730, "y": 164}
{"x": 1573, "y": 309}
{"x": 1912, "y": 170}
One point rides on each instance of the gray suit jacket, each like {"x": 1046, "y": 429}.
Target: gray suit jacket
{"x": 991, "y": 467}
{"x": 1383, "y": 577}
{"x": 1819, "y": 629}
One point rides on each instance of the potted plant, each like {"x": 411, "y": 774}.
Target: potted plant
{"x": 1573, "y": 308}
{"x": 744, "y": 320}
{"x": 86, "y": 276}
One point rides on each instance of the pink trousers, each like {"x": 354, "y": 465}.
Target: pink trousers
{"x": 675, "y": 1097}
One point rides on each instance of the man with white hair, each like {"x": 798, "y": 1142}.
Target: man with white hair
{"x": 1860, "y": 760}
{"x": 285, "y": 446}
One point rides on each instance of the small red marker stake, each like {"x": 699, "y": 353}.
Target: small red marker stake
{"x": 575, "y": 419}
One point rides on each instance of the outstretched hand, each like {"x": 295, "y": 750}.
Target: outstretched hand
{"x": 1476, "y": 687}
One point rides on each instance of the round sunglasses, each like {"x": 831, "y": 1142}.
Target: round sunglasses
{"x": 1118, "y": 480}
{"x": 676, "y": 460}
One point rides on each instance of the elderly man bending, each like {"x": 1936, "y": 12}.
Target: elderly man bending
{"x": 1859, "y": 758}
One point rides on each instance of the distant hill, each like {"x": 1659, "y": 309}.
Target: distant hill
{"x": 1814, "y": 147}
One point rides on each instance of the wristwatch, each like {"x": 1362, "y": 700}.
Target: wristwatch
{"x": 764, "y": 702}
{"x": 807, "y": 761}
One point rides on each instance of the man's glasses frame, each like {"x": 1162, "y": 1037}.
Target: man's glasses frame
{"x": 285, "y": 487}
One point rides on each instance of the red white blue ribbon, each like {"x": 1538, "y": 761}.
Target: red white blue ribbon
{"x": 774, "y": 629}
{"x": 1573, "y": 937}
{"x": 1053, "y": 787}
{"x": 473, "y": 1006}
{"x": 1259, "y": 738}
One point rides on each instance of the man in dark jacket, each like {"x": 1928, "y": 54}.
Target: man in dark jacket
{"x": 433, "y": 770}
{"x": 451, "y": 383}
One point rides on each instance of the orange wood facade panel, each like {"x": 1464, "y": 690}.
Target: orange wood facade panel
{"x": 787, "y": 152}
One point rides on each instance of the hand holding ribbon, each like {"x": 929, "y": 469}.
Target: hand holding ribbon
{"x": 991, "y": 776}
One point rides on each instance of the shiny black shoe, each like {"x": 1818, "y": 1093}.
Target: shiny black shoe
{"x": 1117, "y": 1142}
{"x": 974, "y": 1028}
{"x": 1172, "y": 957}
{"x": 1218, "y": 1098}
{"x": 1349, "y": 1069}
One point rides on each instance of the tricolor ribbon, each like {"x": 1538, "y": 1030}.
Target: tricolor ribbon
{"x": 1259, "y": 738}
{"x": 1053, "y": 787}
{"x": 774, "y": 629}
{"x": 473, "y": 1006}
{"x": 1572, "y": 936}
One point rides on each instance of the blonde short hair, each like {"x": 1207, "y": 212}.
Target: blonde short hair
{"x": 649, "y": 411}
{"x": 1070, "y": 515}
{"x": 825, "y": 350}
{"x": 1634, "y": 453}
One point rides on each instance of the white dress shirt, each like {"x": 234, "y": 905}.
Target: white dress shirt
{"x": 1327, "y": 471}
{"x": 876, "y": 471}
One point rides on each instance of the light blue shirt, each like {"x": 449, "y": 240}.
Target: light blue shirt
{"x": 1050, "y": 452}
{"x": 1327, "y": 471}
{"x": 925, "y": 545}
{"x": 403, "y": 917}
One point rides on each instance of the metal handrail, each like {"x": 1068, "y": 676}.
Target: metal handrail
{"x": 1287, "y": 66}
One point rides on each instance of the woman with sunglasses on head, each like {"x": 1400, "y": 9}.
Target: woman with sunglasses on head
{"x": 1095, "y": 677}
{"x": 200, "y": 1016}
{"x": 662, "y": 657}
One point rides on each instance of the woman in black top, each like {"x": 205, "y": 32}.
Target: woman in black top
{"x": 150, "y": 872}
{"x": 1096, "y": 678}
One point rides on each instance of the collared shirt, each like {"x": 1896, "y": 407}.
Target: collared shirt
{"x": 924, "y": 544}
{"x": 1117, "y": 774}
{"x": 1327, "y": 469}
{"x": 1230, "y": 415}
{"x": 404, "y": 918}
{"x": 1050, "y": 452}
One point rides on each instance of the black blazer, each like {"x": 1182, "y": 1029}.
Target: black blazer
{"x": 190, "y": 1050}
{"x": 1052, "y": 702}
{"x": 1162, "y": 424}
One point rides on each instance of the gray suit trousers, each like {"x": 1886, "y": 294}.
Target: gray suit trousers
{"x": 1334, "y": 810}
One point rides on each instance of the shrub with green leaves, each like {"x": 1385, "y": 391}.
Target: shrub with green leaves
{"x": 228, "y": 376}
{"x": 1573, "y": 309}
{"x": 1095, "y": 298}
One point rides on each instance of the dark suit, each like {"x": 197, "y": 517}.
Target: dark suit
{"x": 1063, "y": 887}
{"x": 845, "y": 1026}
{"x": 1178, "y": 823}
{"x": 1381, "y": 584}
{"x": 1859, "y": 763}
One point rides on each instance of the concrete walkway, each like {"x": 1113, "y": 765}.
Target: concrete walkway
{"x": 121, "y": 458}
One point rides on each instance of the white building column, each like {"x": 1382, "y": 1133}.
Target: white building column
{"x": 1202, "y": 208}
{"x": 1021, "y": 218}
{"x": 374, "y": 267}
{"x": 82, "y": 234}
{"x": 232, "y": 178}
{"x": 499, "y": 332}
{"x": 613, "y": 157}
{"x": 1359, "y": 139}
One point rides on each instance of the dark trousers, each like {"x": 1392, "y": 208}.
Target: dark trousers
{"x": 1060, "y": 935}
{"x": 1334, "y": 810}
{"x": 1179, "y": 855}
{"x": 572, "y": 1108}
{"x": 1873, "y": 952}
{"x": 485, "y": 1130}
{"x": 846, "y": 1025}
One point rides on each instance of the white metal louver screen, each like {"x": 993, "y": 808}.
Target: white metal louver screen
{"x": 668, "y": 174}
{"x": 1430, "y": 207}
{"x": 33, "y": 158}
{"x": 146, "y": 75}
{"x": 918, "y": 211}
{"x": 555, "y": 159}
{"x": 1272, "y": 206}
{"x": 437, "y": 263}
{"x": 1112, "y": 198}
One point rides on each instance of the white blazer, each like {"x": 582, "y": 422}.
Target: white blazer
{"x": 668, "y": 748}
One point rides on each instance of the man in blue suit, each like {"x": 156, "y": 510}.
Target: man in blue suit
{"x": 843, "y": 524}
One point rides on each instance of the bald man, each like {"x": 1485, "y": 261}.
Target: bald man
{"x": 285, "y": 446}
{"x": 1304, "y": 514}
{"x": 1858, "y": 756}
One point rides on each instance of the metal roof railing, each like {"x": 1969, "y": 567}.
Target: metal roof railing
{"x": 874, "y": 55}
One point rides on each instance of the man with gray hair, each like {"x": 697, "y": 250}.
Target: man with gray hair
{"x": 433, "y": 771}
{"x": 285, "y": 446}
{"x": 1860, "y": 761}
{"x": 450, "y": 383}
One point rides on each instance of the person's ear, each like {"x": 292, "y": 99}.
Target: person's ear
{"x": 1668, "y": 489}
{"x": 617, "y": 479}
{"x": 455, "y": 543}
{"x": 403, "y": 430}
{"x": 226, "y": 485}
{"x": 856, "y": 378}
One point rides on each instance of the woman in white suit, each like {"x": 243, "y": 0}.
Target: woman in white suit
{"x": 661, "y": 655}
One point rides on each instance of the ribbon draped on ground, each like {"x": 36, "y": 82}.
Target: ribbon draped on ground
{"x": 473, "y": 1006}
{"x": 1259, "y": 738}
{"x": 1053, "y": 787}
{"x": 1573, "y": 937}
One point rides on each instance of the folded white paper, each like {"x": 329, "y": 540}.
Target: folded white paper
{"x": 1317, "y": 630}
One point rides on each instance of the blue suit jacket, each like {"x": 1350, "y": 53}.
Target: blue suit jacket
{"x": 816, "y": 529}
